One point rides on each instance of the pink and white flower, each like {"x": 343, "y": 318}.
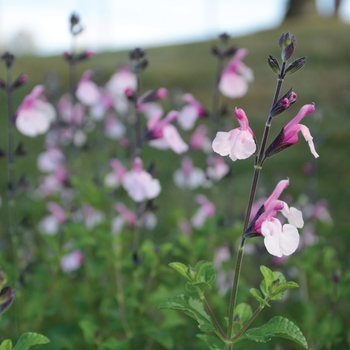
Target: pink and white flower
{"x": 217, "y": 168}
{"x": 125, "y": 216}
{"x": 292, "y": 129}
{"x": 238, "y": 143}
{"x": 114, "y": 129}
{"x": 205, "y": 211}
{"x": 236, "y": 76}
{"x": 139, "y": 183}
{"x": 164, "y": 135}
{"x": 50, "y": 224}
{"x": 35, "y": 115}
{"x": 190, "y": 112}
{"x": 189, "y": 176}
{"x": 279, "y": 240}
{"x": 72, "y": 261}
{"x": 200, "y": 140}
{"x": 115, "y": 178}
{"x": 50, "y": 160}
{"x": 87, "y": 91}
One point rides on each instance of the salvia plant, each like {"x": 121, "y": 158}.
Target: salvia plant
{"x": 87, "y": 243}
{"x": 240, "y": 143}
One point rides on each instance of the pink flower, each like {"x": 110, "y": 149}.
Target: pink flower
{"x": 206, "y": 210}
{"x": 125, "y": 216}
{"x": 114, "y": 128}
{"x": 190, "y": 112}
{"x": 91, "y": 216}
{"x": 50, "y": 224}
{"x": 200, "y": 140}
{"x": 121, "y": 82}
{"x": 217, "y": 168}
{"x": 115, "y": 178}
{"x": 87, "y": 91}
{"x": 235, "y": 77}
{"x": 50, "y": 160}
{"x": 289, "y": 134}
{"x": 34, "y": 115}
{"x": 72, "y": 261}
{"x": 279, "y": 240}
{"x": 292, "y": 129}
{"x": 164, "y": 135}
{"x": 189, "y": 176}
{"x": 139, "y": 183}
{"x": 238, "y": 143}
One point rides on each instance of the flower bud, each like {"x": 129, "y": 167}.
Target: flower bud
{"x": 287, "y": 43}
{"x": 86, "y": 54}
{"x": 137, "y": 54}
{"x": 8, "y": 58}
{"x": 21, "y": 80}
{"x": 215, "y": 51}
{"x": 296, "y": 65}
{"x": 273, "y": 64}
{"x": 224, "y": 37}
{"x": 284, "y": 103}
{"x": 7, "y": 295}
{"x": 230, "y": 51}
{"x": 2, "y": 84}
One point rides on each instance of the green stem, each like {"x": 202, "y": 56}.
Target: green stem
{"x": 248, "y": 323}
{"x": 211, "y": 313}
{"x": 11, "y": 182}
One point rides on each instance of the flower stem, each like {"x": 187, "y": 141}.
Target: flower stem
{"x": 258, "y": 166}
{"x": 11, "y": 182}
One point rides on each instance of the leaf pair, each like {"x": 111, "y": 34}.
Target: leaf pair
{"x": 25, "y": 341}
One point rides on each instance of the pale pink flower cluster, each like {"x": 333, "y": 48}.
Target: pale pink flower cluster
{"x": 139, "y": 183}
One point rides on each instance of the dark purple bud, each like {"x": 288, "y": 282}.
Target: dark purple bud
{"x": 230, "y": 51}
{"x": 85, "y": 55}
{"x": 2, "y": 84}
{"x": 286, "y": 39}
{"x": 337, "y": 275}
{"x": 74, "y": 19}
{"x": 20, "y": 150}
{"x": 224, "y": 37}
{"x": 8, "y": 58}
{"x": 67, "y": 55}
{"x": 296, "y": 65}
{"x": 142, "y": 64}
{"x": 273, "y": 64}
{"x": 7, "y": 296}
{"x": 215, "y": 51}
{"x": 2, "y": 153}
{"x": 277, "y": 145}
{"x": 283, "y": 103}
{"x": 137, "y": 54}
{"x": 21, "y": 80}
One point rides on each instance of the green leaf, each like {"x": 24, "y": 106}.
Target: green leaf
{"x": 197, "y": 287}
{"x": 89, "y": 328}
{"x": 28, "y": 339}
{"x": 274, "y": 284}
{"x": 243, "y": 311}
{"x": 214, "y": 343}
{"x": 193, "y": 307}
{"x": 114, "y": 344}
{"x": 269, "y": 278}
{"x": 6, "y": 345}
{"x": 164, "y": 338}
{"x": 205, "y": 272}
{"x": 257, "y": 295}
{"x": 278, "y": 327}
{"x": 181, "y": 269}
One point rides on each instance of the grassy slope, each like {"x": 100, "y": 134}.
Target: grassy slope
{"x": 325, "y": 81}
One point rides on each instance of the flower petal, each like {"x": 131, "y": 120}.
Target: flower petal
{"x": 289, "y": 239}
{"x": 271, "y": 230}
